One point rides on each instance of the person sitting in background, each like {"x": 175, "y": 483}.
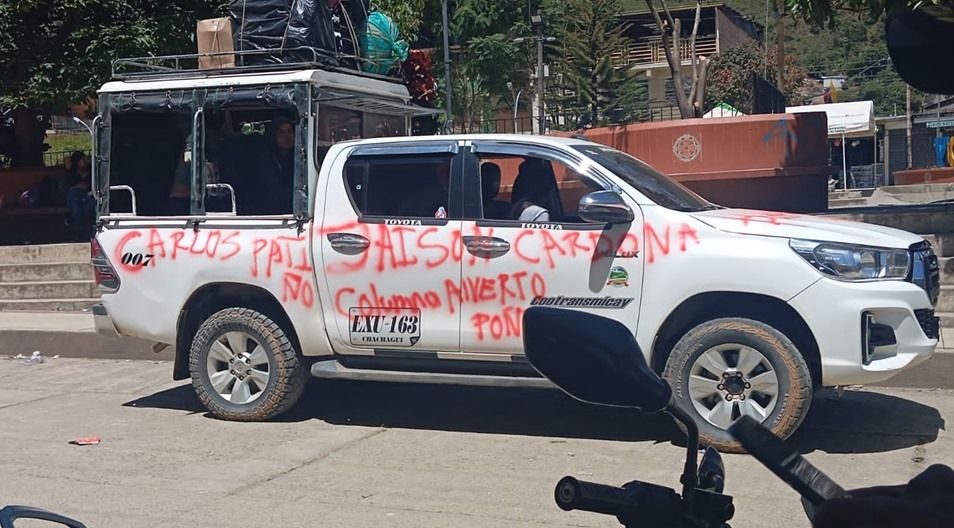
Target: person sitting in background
{"x": 79, "y": 196}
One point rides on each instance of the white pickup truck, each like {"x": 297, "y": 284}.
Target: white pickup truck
{"x": 412, "y": 258}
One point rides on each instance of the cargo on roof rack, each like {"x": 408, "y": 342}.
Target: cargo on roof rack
{"x": 187, "y": 65}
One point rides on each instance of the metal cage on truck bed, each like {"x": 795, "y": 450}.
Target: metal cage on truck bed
{"x": 186, "y": 65}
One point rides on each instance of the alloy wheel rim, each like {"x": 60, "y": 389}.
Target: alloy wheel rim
{"x": 237, "y": 367}
{"x": 731, "y": 380}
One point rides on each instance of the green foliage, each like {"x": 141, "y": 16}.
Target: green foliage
{"x": 407, "y": 14}
{"x": 730, "y": 77}
{"x": 58, "y": 52}
{"x": 848, "y": 43}
{"x": 591, "y": 90}
{"x": 66, "y": 142}
{"x": 826, "y": 12}
{"x": 487, "y": 57}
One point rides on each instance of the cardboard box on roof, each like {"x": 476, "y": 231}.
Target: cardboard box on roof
{"x": 214, "y": 35}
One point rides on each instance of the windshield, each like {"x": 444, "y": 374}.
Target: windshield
{"x": 656, "y": 186}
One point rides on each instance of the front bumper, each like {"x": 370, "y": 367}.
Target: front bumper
{"x": 834, "y": 312}
{"x": 102, "y": 321}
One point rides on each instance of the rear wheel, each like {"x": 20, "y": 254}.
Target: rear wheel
{"x": 726, "y": 368}
{"x": 244, "y": 367}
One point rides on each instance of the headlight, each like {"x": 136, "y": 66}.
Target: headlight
{"x": 854, "y": 263}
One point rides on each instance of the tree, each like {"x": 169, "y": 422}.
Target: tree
{"x": 731, "y": 73}
{"x": 408, "y": 15}
{"x": 484, "y": 56}
{"x": 57, "y": 52}
{"x": 825, "y": 12}
{"x": 690, "y": 101}
{"x": 591, "y": 90}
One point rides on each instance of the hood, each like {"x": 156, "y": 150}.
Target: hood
{"x": 789, "y": 225}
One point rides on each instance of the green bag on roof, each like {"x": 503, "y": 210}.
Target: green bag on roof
{"x": 381, "y": 48}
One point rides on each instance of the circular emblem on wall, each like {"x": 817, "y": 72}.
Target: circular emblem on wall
{"x": 687, "y": 147}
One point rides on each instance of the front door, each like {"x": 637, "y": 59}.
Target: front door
{"x": 390, "y": 249}
{"x": 525, "y": 246}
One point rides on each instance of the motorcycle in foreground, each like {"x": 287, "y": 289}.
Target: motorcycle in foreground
{"x": 597, "y": 360}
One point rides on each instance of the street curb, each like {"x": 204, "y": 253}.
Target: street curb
{"x": 78, "y": 345}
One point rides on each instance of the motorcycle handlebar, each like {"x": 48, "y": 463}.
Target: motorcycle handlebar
{"x": 635, "y": 503}
{"x": 573, "y": 494}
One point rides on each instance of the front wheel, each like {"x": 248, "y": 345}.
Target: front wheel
{"x": 244, "y": 367}
{"x": 726, "y": 368}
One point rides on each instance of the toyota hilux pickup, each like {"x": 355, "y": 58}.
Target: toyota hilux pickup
{"x": 273, "y": 227}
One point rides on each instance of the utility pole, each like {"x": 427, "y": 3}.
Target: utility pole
{"x": 537, "y": 22}
{"x": 447, "y": 76}
{"x": 908, "y": 120}
{"x": 780, "y": 46}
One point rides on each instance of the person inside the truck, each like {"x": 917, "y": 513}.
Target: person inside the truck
{"x": 532, "y": 196}
{"x": 430, "y": 199}
{"x": 276, "y": 168}
{"x": 490, "y": 187}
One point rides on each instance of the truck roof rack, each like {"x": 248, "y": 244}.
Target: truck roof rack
{"x": 184, "y": 66}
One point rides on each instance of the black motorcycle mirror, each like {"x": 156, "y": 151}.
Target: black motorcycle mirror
{"x": 11, "y": 513}
{"x": 597, "y": 360}
{"x": 914, "y": 39}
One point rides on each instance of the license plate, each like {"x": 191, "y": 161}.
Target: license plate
{"x": 384, "y": 327}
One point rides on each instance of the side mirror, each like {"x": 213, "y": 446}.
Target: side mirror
{"x": 592, "y": 358}
{"x": 12, "y": 513}
{"x": 914, "y": 37}
{"x": 605, "y": 207}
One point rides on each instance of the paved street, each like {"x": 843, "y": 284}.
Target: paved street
{"x": 366, "y": 454}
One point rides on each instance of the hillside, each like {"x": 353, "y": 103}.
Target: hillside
{"x": 854, "y": 47}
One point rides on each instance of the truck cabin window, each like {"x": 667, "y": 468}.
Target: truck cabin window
{"x": 250, "y": 149}
{"x": 409, "y": 186}
{"x": 531, "y": 189}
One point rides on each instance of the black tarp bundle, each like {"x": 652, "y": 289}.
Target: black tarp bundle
{"x": 281, "y": 26}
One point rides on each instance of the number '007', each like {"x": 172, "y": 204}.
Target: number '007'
{"x": 136, "y": 259}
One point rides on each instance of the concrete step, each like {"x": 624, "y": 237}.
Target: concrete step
{"x": 846, "y": 202}
{"x": 46, "y": 305}
{"x": 943, "y": 243}
{"x": 79, "y": 289}
{"x": 919, "y": 188}
{"x": 947, "y": 319}
{"x": 945, "y": 301}
{"x": 947, "y": 269}
{"x": 850, "y": 194}
{"x": 46, "y": 272}
{"x": 44, "y": 253}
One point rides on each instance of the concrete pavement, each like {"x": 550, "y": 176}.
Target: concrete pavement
{"x": 367, "y": 454}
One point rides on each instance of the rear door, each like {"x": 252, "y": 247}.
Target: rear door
{"x": 390, "y": 248}
{"x": 553, "y": 260}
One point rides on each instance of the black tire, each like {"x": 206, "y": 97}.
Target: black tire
{"x": 287, "y": 372}
{"x": 794, "y": 389}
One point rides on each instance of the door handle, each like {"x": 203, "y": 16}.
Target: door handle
{"x": 485, "y": 246}
{"x": 348, "y": 243}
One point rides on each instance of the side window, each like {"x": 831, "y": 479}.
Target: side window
{"x": 251, "y": 149}
{"x": 340, "y": 124}
{"x": 531, "y": 189}
{"x": 409, "y": 186}
{"x": 152, "y": 154}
